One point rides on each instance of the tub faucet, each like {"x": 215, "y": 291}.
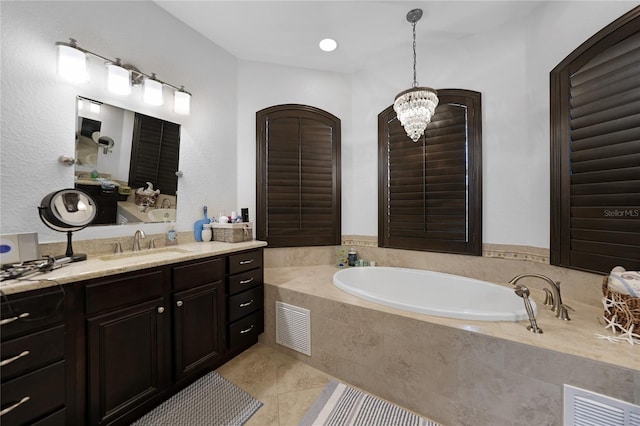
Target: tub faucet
{"x": 555, "y": 298}
{"x": 166, "y": 203}
{"x": 136, "y": 239}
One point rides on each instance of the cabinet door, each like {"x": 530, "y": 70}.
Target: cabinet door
{"x": 126, "y": 361}
{"x": 199, "y": 327}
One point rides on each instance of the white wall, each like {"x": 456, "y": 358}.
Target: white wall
{"x": 38, "y": 108}
{"x": 509, "y": 65}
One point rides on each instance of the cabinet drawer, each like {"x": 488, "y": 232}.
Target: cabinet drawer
{"x": 34, "y": 311}
{"x": 244, "y": 303}
{"x": 59, "y": 418}
{"x": 245, "y": 261}
{"x": 31, "y": 352}
{"x": 123, "y": 291}
{"x": 245, "y": 281}
{"x": 195, "y": 274}
{"x": 245, "y": 331}
{"x": 45, "y": 390}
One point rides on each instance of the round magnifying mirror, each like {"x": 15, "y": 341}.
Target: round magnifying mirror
{"x": 68, "y": 210}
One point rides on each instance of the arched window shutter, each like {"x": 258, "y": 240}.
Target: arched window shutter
{"x": 595, "y": 144}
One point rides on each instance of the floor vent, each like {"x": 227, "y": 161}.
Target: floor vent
{"x": 293, "y": 327}
{"x": 585, "y": 408}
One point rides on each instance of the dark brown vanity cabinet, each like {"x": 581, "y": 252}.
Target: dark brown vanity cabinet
{"x": 33, "y": 366}
{"x": 106, "y": 200}
{"x": 150, "y": 333}
{"x": 128, "y": 335}
{"x": 199, "y": 319}
{"x": 245, "y": 301}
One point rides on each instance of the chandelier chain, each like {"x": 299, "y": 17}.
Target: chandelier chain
{"x": 415, "y": 82}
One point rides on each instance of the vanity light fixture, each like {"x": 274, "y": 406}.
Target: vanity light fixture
{"x": 72, "y": 62}
{"x": 152, "y": 91}
{"x": 415, "y": 107}
{"x": 182, "y": 102}
{"x": 94, "y": 106}
{"x": 118, "y": 78}
{"x": 72, "y": 66}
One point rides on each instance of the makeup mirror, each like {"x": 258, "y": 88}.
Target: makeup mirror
{"x": 68, "y": 210}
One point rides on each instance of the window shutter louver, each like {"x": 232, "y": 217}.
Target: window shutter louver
{"x": 298, "y": 176}
{"x": 596, "y": 182}
{"x": 430, "y": 190}
{"x": 155, "y": 154}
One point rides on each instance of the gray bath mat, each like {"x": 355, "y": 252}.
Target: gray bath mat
{"x": 210, "y": 400}
{"x": 342, "y": 405}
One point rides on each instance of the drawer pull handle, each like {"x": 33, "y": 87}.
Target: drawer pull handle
{"x": 179, "y": 303}
{"x": 14, "y": 406}
{"x": 160, "y": 309}
{"x": 244, "y": 305}
{"x": 12, "y": 359}
{"x": 247, "y": 281}
{"x": 246, "y": 330}
{"x": 12, "y": 319}
{"x": 246, "y": 262}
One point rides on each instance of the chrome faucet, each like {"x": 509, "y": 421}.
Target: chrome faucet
{"x": 168, "y": 205}
{"x": 136, "y": 239}
{"x": 555, "y": 298}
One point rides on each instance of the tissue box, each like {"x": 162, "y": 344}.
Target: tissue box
{"x": 232, "y": 232}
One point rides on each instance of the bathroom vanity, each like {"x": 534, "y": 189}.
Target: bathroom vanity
{"x": 121, "y": 335}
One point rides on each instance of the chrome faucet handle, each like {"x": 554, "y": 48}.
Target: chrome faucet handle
{"x": 118, "y": 248}
{"x": 563, "y": 312}
{"x": 548, "y": 297}
{"x": 523, "y": 292}
{"x": 152, "y": 243}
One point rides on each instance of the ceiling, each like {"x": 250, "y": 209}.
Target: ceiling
{"x": 288, "y": 32}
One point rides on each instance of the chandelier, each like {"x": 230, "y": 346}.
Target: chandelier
{"x": 415, "y": 107}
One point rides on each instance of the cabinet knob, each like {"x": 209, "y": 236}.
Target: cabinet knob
{"x": 179, "y": 303}
{"x": 160, "y": 309}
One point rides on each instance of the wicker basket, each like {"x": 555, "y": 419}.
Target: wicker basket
{"x": 232, "y": 232}
{"x": 626, "y": 310}
{"x": 145, "y": 200}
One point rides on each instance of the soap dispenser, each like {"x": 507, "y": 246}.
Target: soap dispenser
{"x": 171, "y": 237}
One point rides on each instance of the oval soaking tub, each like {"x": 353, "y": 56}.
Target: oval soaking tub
{"x": 433, "y": 293}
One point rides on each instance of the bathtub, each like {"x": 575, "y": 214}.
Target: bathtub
{"x": 433, "y": 293}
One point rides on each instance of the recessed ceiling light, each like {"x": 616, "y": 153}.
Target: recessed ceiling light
{"x": 328, "y": 44}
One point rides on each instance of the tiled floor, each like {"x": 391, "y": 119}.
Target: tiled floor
{"x": 286, "y": 386}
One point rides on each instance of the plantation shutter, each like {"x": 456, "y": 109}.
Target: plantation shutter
{"x": 298, "y": 184}
{"x": 154, "y": 154}
{"x": 599, "y": 183}
{"x": 430, "y": 191}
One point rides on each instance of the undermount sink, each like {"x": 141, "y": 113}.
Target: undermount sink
{"x": 162, "y": 215}
{"x": 158, "y": 253}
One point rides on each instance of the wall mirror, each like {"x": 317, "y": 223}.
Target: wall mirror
{"x": 127, "y": 162}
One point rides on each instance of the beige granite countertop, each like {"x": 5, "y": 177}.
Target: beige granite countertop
{"x": 102, "y": 265}
{"x": 576, "y": 337}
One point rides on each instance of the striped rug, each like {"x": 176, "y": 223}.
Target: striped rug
{"x": 209, "y": 401}
{"x": 342, "y": 405}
